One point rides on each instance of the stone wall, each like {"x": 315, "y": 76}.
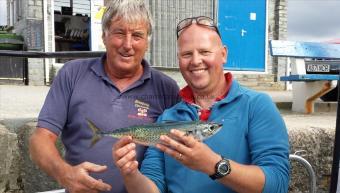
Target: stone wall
{"x": 19, "y": 175}
{"x": 10, "y": 167}
{"x": 316, "y": 146}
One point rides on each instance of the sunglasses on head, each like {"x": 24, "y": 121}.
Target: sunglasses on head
{"x": 200, "y": 20}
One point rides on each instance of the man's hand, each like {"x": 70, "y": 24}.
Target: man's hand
{"x": 78, "y": 180}
{"x": 189, "y": 151}
{"x": 124, "y": 156}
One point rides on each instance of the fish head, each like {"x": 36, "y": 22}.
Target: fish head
{"x": 207, "y": 130}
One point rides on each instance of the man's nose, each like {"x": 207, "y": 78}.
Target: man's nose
{"x": 196, "y": 58}
{"x": 127, "y": 44}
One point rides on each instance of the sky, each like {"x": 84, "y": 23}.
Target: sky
{"x": 3, "y": 19}
{"x": 313, "y": 20}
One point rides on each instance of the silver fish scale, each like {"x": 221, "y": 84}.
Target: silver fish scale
{"x": 148, "y": 136}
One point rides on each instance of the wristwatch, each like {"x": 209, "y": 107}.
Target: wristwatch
{"x": 222, "y": 168}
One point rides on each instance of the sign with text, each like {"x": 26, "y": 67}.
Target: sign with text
{"x": 35, "y": 34}
{"x": 97, "y": 10}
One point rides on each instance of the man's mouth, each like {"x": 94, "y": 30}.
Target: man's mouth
{"x": 126, "y": 55}
{"x": 198, "y": 71}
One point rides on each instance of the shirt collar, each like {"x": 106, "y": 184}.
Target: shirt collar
{"x": 188, "y": 96}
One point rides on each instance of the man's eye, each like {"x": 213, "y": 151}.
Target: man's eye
{"x": 138, "y": 36}
{"x": 205, "y": 52}
{"x": 186, "y": 55}
{"x": 118, "y": 33}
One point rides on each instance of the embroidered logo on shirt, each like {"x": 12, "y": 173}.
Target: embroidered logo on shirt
{"x": 142, "y": 108}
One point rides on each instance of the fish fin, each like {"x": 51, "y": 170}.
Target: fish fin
{"x": 95, "y": 131}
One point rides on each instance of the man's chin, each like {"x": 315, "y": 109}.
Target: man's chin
{"x": 198, "y": 86}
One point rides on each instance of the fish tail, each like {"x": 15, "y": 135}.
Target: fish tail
{"x": 95, "y": 130}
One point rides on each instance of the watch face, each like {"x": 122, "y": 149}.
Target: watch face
{"x": 223, "y": 168}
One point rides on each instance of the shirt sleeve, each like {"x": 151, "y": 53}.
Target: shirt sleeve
{"x": 53, "y": 114}
{"x": 269, "y": 146}
{"x": 153, "y": 166}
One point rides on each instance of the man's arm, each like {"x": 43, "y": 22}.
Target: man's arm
{"x": 124, "y": 154}
{"x": 74, "y": 178}
{"x": 268, "y": 146}
{"x": 242, "y": 178}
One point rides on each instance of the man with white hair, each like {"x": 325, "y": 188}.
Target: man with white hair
{"x": 118, "y": 90}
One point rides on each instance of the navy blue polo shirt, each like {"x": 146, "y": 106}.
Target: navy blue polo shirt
{"x": 82, "y": 90}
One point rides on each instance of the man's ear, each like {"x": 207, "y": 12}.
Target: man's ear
{"x": 225, "y": 54}
{"x": 103, "y": 38}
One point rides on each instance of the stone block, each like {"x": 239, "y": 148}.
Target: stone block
{"x": 36, "y": 71}
{"x": 31, "y": 2}
{"x": 33, "y": 179}
{"x": 39, "y": 3}
{"x": 316, "y": 145}
{"x": 10, "y": 180}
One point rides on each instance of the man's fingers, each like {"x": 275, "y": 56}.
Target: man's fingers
{"x": 175, "y": 145}
{"x": 130, "y": 156}
{"x": 124, "y": 150}
{"x": 173, "y": 153}
{"x": 89, "y": 182}
{"x": 130, "y": 167}
{"x": 122, "y": 142}
{"x": 188, "y": 140}
{"x": 91, "y": 167}
{"x": 97, "y": 184}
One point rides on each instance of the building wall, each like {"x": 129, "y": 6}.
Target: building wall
{"x": 30, "y": 26}
{"x": 163, "y": 11}
{"x": 277, "y": 29}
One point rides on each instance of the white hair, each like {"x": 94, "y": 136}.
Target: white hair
{"x": 131, "y": 11}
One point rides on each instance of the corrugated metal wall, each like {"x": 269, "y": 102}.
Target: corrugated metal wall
{"x": 166, "y": 14}
{"x": 82, "y": 6}
{"x": 61, "y": 3}
{"x": 79, "y": 6}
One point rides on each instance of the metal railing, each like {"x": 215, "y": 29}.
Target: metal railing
{"x": 59, "y": 54}
{"x": 309, "y": 168}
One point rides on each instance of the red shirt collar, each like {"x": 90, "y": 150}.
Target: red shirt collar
{"x": 188, "y": 96}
